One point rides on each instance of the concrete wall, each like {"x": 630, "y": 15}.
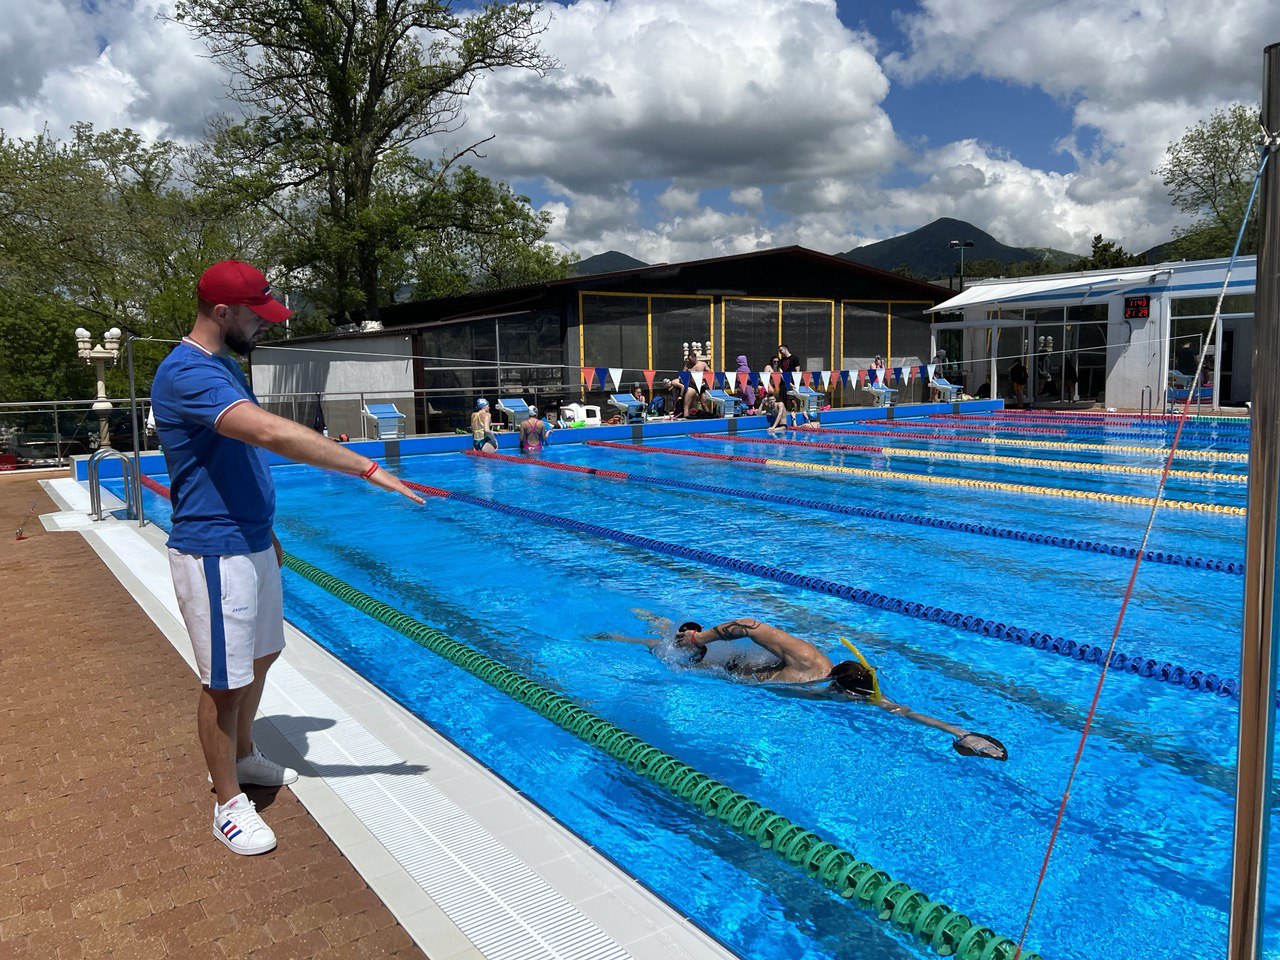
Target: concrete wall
{"x": 376, "y": 364}
{"x": 1135, "y": 354}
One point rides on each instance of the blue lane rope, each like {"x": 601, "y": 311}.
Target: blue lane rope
{"x": 1198, "y": 680}
{"x": 872, "y": 513}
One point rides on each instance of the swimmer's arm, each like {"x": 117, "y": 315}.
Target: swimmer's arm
{"x": 661, "y": 624}
{"x": 901, "y": 710}
{"x": 649, "y": 642}
{"x": 792, "y": 651}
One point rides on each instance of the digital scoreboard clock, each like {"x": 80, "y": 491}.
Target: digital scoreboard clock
{"x": 1137, "y": 308}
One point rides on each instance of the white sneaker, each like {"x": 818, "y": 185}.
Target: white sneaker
{"x": 237, "y": 824}
{"x": 256, "y": 770}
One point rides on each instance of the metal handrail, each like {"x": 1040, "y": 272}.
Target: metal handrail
{"x": 132, "y": 485}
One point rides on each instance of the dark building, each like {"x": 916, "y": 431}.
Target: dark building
{"x": 534, "y": 340}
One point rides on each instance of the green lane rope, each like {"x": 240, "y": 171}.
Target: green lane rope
{"x": 945, "y": 931}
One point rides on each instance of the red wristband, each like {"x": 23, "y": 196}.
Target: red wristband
{"x": 373, "y": 468}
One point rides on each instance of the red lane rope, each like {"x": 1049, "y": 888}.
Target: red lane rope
{"x": 633, "y": 448}
{"x": 896, "y": 436}
{"x": 997, "y": 427}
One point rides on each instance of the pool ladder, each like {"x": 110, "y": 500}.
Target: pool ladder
{"x": 132, "y": 485}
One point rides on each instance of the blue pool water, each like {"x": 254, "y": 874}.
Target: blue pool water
{"x": 1142, "y": 863}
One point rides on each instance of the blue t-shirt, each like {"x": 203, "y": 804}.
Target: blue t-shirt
{"x": 223, "y": 498}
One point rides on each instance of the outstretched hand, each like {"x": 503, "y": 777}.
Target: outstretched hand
{"x": 980, "y": 745}
{"x": 389, "y": 481}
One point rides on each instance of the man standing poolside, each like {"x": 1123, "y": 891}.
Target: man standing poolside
{"x": 805, "y": 668}
{"x": 224, "y": 557}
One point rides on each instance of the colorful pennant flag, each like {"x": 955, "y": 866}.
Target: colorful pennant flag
{"x": 826, "y": 380}
{"x": 587, "y": 374}
{"x": 686, "y": 379}
{"x": 775, "y": 378}
{"x": 648, "y": 378}
{"x": 806, "y": 378}
{"x": 615, "y": 374}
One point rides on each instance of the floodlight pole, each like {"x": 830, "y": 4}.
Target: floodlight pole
{"x": 1258, "y": 647}
{"x": 961, "y": 244}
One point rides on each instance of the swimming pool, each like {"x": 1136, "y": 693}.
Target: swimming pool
{"x": 1142, "y": 864}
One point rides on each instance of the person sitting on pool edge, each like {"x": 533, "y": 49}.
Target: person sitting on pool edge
{"x": 534, "y": 432}
{"x": 803, "y": 664}
{"x": 482, "y": 437}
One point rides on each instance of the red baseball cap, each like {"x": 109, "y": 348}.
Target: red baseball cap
{"x": 233, "y": 283}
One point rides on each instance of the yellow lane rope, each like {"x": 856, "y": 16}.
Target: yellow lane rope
{"x": 1064, "y": 465}
{"x": 1116, "y": 448}
{"x": 1011, "y": 487}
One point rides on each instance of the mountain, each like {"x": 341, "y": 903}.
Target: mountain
{"x": 928, "y": 251}
{"x": 606, "y": 263}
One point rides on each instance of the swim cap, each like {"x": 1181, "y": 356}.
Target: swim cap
{"x": 482, "y": 402}
{"x": 533, "y": 411}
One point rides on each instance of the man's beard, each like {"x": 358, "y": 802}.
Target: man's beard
{"x": 239, "y": 344}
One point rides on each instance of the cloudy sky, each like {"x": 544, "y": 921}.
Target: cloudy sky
{"x": 678, "y": 129}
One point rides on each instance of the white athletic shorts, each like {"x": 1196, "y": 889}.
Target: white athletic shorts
{"x": 234, "y": 611}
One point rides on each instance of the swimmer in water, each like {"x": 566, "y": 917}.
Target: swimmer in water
{"x": 803, "y": 666}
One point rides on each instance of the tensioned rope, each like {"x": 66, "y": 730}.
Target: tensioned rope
{"x": 890, "y": 475}
{"x": 874, "y": 513}
{"x": 1065, "y": 466}
{"x": 946, "y": 931}
{"x": 1269, "y": 144}
{"x": 1035, "y": 444}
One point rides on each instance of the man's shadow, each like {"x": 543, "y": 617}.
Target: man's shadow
{"x": 263, "y": 797}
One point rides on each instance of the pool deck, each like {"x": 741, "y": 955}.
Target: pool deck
{"x": 393, "y": 843}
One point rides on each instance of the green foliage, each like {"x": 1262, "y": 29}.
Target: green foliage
{"x": 1210, "y": 174}
{"x": 984, "y": 268}
{"x": 95, "y": 232}
{"x": 338, "y": 91}
{"x": 1107, "y": 255}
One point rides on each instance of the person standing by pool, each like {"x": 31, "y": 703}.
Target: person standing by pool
{"x": 482, "y": 437}
{"x": 803, "y": 666}
{"x": 223, "y": 555}
{"x": 1018, "y": 380}
{"x": 534, "y": 432}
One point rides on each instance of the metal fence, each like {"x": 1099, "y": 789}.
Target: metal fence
{"x": 50, "y": 433}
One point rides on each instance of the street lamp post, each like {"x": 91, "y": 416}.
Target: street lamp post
{"x": 961, "y": 244}
{"x": 108, "y": 351}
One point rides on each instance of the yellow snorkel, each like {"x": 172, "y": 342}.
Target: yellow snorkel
{"x": 876, "y": 695}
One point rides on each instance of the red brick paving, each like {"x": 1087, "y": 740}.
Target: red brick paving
{"x": 105, "y": 846}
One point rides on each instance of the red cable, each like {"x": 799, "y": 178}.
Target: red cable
{"x": 1102, "y": 676}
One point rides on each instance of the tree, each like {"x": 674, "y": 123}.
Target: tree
{"x": 338, "y": 91}
{"x": 1107, "y": 255}
{"x": 479, "y": 235}
{"x": 1210, "y": 174}
{"x": 97, "y": 231}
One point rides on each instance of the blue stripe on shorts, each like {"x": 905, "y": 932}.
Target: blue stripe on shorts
{"x": 217, "y": 631}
